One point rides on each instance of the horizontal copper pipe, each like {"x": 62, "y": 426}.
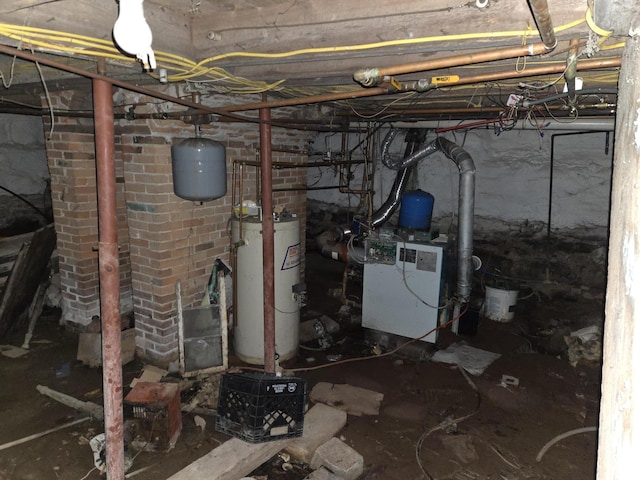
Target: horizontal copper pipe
{"x": 325, "y": 97}
{"x": 372, "y": 76}
{"x": 535, "y": 71}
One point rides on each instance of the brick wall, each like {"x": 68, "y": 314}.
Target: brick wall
{"x": 71, "y": 158}
{"x": 166, "y": 238}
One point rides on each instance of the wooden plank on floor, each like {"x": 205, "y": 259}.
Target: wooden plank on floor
{"x": 236, "y": 458}
{"x": 232, "y": 460}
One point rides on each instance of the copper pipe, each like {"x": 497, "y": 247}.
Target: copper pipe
{"x": 109, "y": 272}
{"x": 267, "y": 243}
{"x": 285, "y": 165}
{"x": 372, "y": 76}
{"x": 570, "y": 72}
{"x": 325, "y": 97}
{"x": 542, "y": 17}
{"x": 535, "y": 71}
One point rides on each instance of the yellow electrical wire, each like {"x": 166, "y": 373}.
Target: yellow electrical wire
{"x": 370, "y": 46}
{"x": 186, "y": 69}
{"x": 592, "y": 24}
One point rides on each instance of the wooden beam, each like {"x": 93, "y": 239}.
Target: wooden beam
{"x": 619, "y": 436}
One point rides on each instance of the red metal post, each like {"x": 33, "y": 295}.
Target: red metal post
{"x": 109, "y": 271}
{"x": 267, "y": 242}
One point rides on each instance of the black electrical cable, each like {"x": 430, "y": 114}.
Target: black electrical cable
{"x": 47, "y": 217}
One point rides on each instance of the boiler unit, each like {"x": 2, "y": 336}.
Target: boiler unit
{"x": 249, "y": 310}
{"x": 404, "y": 288}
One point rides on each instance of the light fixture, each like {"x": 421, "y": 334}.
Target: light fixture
{"x": 132, "y": 33}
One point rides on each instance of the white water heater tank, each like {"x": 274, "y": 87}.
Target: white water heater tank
{"x": 249, "y": 310}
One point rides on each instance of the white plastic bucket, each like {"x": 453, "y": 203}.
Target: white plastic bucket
{"x": 500, "y": 304}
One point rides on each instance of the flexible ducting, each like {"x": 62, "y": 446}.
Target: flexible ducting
{"x": 414, "y": 139}
{"x": 466, "y": 199}
{"x": 330, "y": 242}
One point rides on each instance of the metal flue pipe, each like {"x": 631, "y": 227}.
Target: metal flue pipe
{"x": 542, "y": 17}
{"x": 466, "y": 204}
{"x": 268, "y": 255}
{"x": 109, "y": 273}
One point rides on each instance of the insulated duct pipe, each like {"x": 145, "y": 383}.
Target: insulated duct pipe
{"x": 466, "y": 192}
{"x": 540, "y": 11}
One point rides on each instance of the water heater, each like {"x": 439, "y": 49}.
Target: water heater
{"x": 249, "y": 311}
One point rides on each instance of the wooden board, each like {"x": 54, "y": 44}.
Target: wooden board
{"x": 9, "y": 249}
{"x": 236, "y": 458}
{"x": 29, "y": 269}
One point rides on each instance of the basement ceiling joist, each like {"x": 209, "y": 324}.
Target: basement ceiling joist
{"x": 294, "y": 48}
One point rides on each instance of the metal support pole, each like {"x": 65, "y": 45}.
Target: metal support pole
{"x": 109, "y": 271}
{"x": 267, "y": 242}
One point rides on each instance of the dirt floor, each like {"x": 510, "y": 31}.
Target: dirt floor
{"x": 434, "y": 422}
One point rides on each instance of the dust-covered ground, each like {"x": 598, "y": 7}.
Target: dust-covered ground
{"x": 434, "y": 422}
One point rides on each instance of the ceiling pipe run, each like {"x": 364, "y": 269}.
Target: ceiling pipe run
{"x": 326, "y": 97}
{"x": 542, "y": 17}
{"x": 109, "y": 275}
{"x": 594, "y": 64}
{"x": 14, "y": 52}
{"x": 370, "y": 77}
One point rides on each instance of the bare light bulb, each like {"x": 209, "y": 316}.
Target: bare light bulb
{"x": 132, "y": 33}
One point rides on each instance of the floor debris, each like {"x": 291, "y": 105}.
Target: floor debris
{"x": 353, "y": 400}
{"x": 96, "y": 411}
{"x": 42, "y": 434}
{"x": 12, "y": 352}
{"x": 149, "y": 373}
{"x": 473, "y": 360}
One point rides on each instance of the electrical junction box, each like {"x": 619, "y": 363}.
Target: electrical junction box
{"x": 403, "y": 298}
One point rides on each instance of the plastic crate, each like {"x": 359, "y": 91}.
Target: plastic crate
{"x": 261, "y": 407}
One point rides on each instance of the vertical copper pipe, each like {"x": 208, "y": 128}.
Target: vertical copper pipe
{"x": 540, "y": 11}
{"x": 267, "y": 242}
{"x": 109, "y": 271}
{"x": 570, "y": 72}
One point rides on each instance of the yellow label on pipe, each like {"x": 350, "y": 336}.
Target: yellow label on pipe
{"x": 445, "y": 79}
{"x": 395, "y": 83}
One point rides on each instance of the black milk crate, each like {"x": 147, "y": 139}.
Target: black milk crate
{"x": 261, "y": 407}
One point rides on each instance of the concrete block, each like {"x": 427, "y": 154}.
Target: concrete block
{"x": 321, "y": 423}
{"x": 339, "y": 458}
{"x": 321, "y": 474}
{"x": 90, "y": 347}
